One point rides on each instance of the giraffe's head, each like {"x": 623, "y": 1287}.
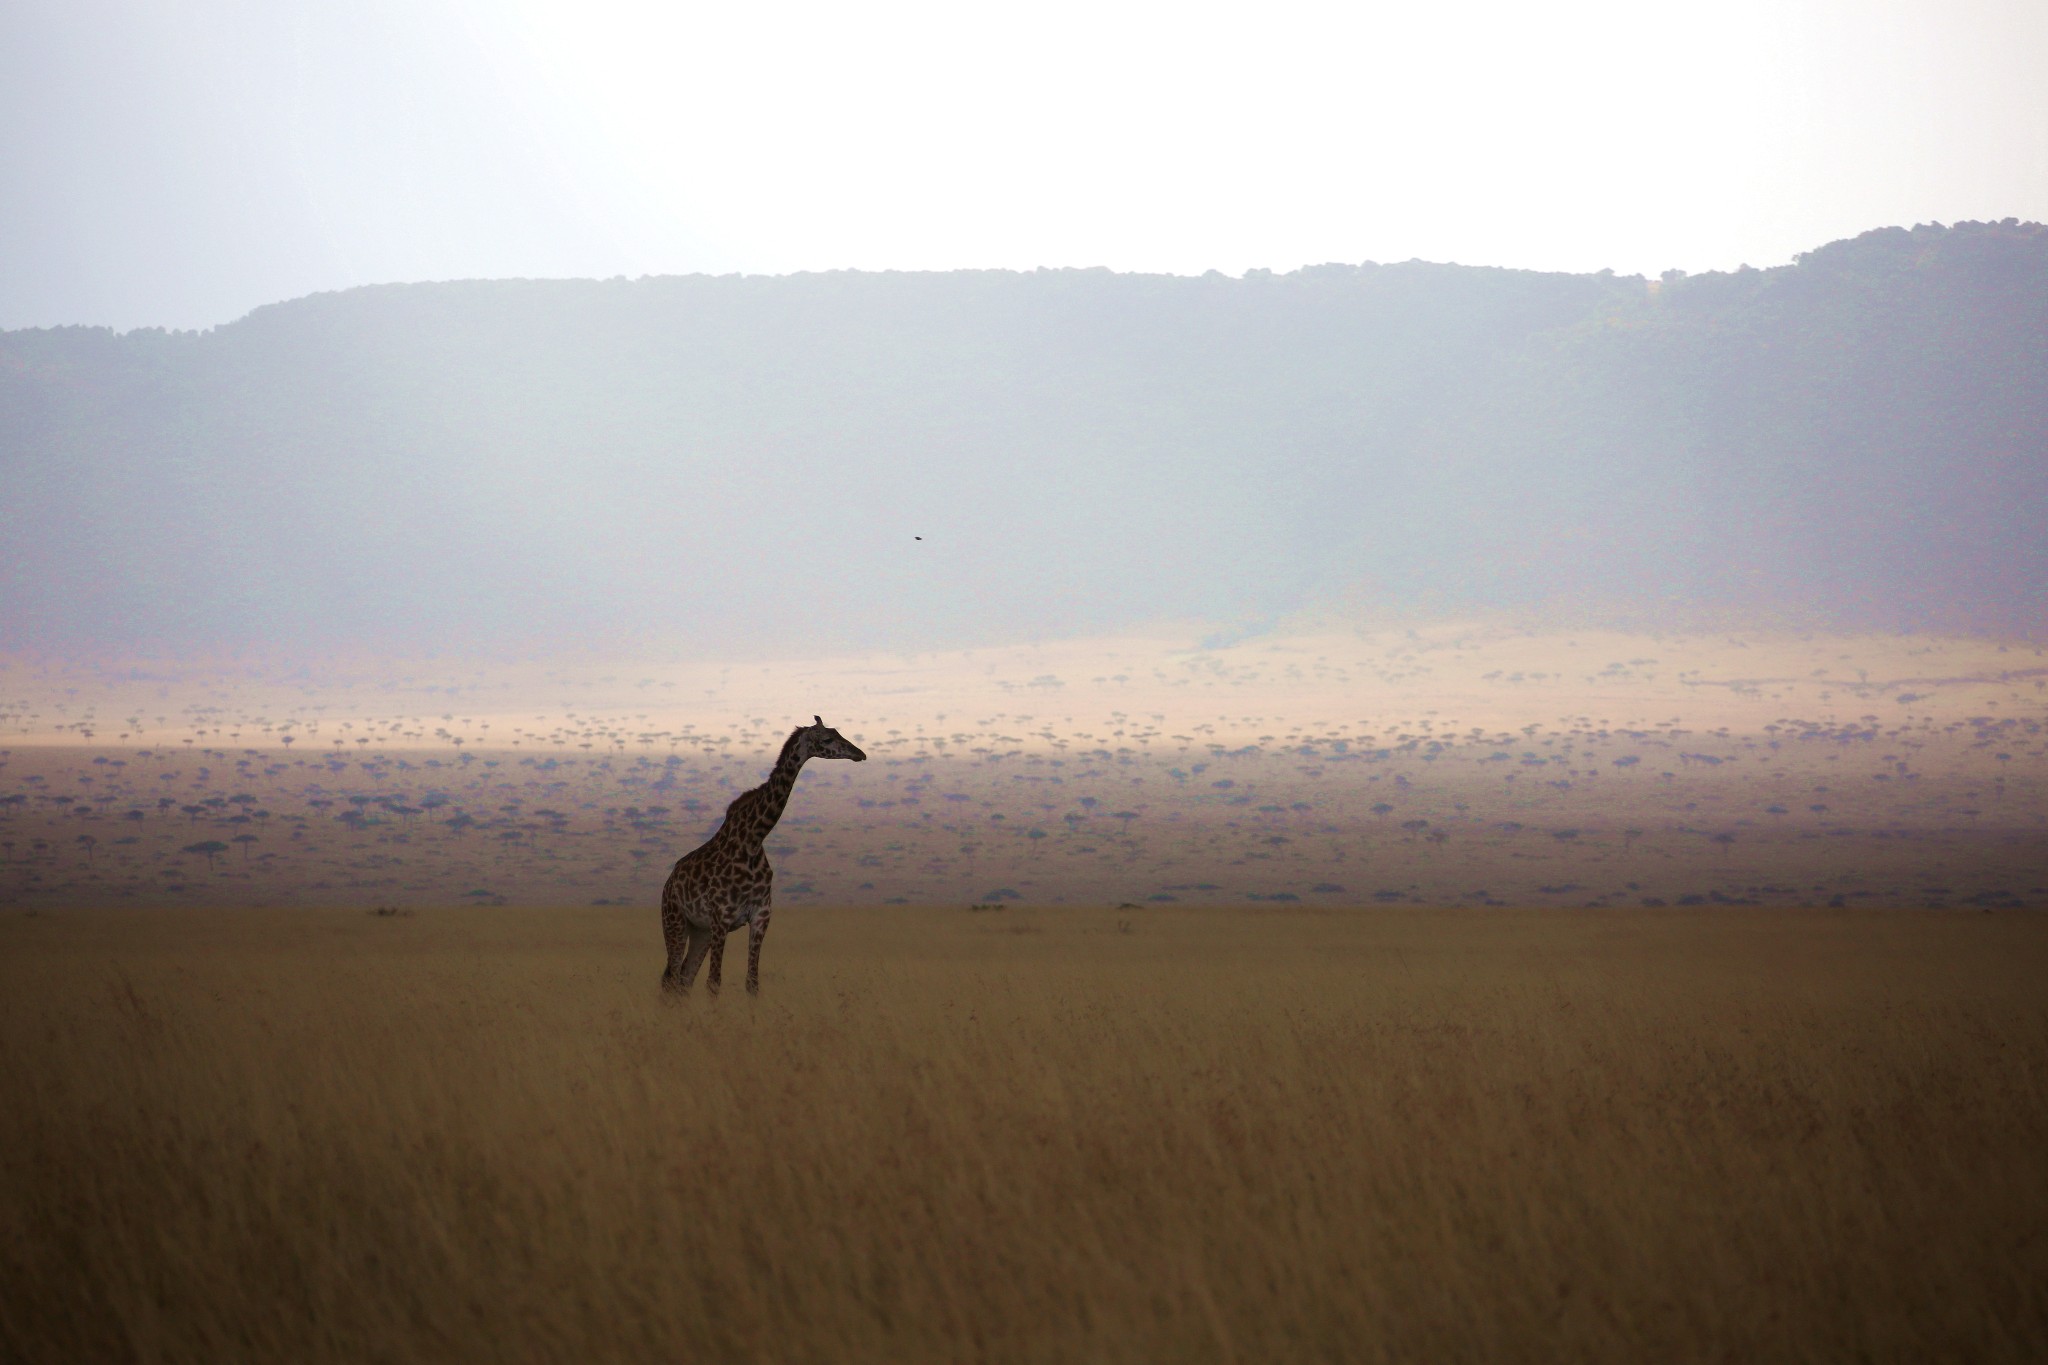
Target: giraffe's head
{"x": 822, "y": 741}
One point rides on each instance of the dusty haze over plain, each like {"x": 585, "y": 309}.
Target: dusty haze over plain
{"x": 179, "y": 164}
{"x": 473, "y": 379}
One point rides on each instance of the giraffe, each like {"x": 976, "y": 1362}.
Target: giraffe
{"x": 725, "y": 883}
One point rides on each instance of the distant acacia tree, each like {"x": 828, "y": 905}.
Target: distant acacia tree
{"x": 88, "y": 843}
{"x": 244, "y": 840}
{"x": 211, "y": 848}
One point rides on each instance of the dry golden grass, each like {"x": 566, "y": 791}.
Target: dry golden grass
{"x": 1026, "y": 1135}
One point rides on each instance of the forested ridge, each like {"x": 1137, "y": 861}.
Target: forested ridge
{"x": 1856, "y": 440}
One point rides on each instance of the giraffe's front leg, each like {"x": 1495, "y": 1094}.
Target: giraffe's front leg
{"x": 717, "y": 953}
{"x": 757, "y": 931}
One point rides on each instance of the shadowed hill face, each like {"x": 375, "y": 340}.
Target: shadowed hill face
{"x": 742, "y": 464}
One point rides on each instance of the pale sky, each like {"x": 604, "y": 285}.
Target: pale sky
{"x": 179, "y": 162}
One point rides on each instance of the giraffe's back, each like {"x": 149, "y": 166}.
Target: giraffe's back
{"x": 713, "y": 883}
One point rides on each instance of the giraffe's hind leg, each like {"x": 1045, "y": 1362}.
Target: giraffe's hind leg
{"x": 673, "y": 938}
{"x": 682, "y": 968}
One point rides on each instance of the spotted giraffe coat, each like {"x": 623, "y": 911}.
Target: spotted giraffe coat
{"x": 726, "y": 883}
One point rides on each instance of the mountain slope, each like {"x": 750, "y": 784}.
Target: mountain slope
{"x": 1860, "y": 438}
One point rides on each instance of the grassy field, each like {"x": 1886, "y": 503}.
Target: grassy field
{"x": 1027, "y": 1134}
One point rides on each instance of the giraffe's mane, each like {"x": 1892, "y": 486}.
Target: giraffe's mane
{"x": 788, "y": 746}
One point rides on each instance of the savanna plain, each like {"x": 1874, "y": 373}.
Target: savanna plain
{"x": 1423, "y": 995}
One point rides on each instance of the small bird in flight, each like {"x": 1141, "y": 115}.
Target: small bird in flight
{"x": 917, "y": 537}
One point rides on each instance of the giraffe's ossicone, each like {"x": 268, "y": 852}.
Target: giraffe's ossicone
{"x": 726, "y": 883}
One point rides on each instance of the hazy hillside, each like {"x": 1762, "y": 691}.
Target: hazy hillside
{"x": 713, "y": 463}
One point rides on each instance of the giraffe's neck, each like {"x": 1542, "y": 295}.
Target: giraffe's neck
{"x": 753, "y": 814}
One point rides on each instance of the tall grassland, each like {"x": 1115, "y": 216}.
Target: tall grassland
{"x": 1026, "y": 1135}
